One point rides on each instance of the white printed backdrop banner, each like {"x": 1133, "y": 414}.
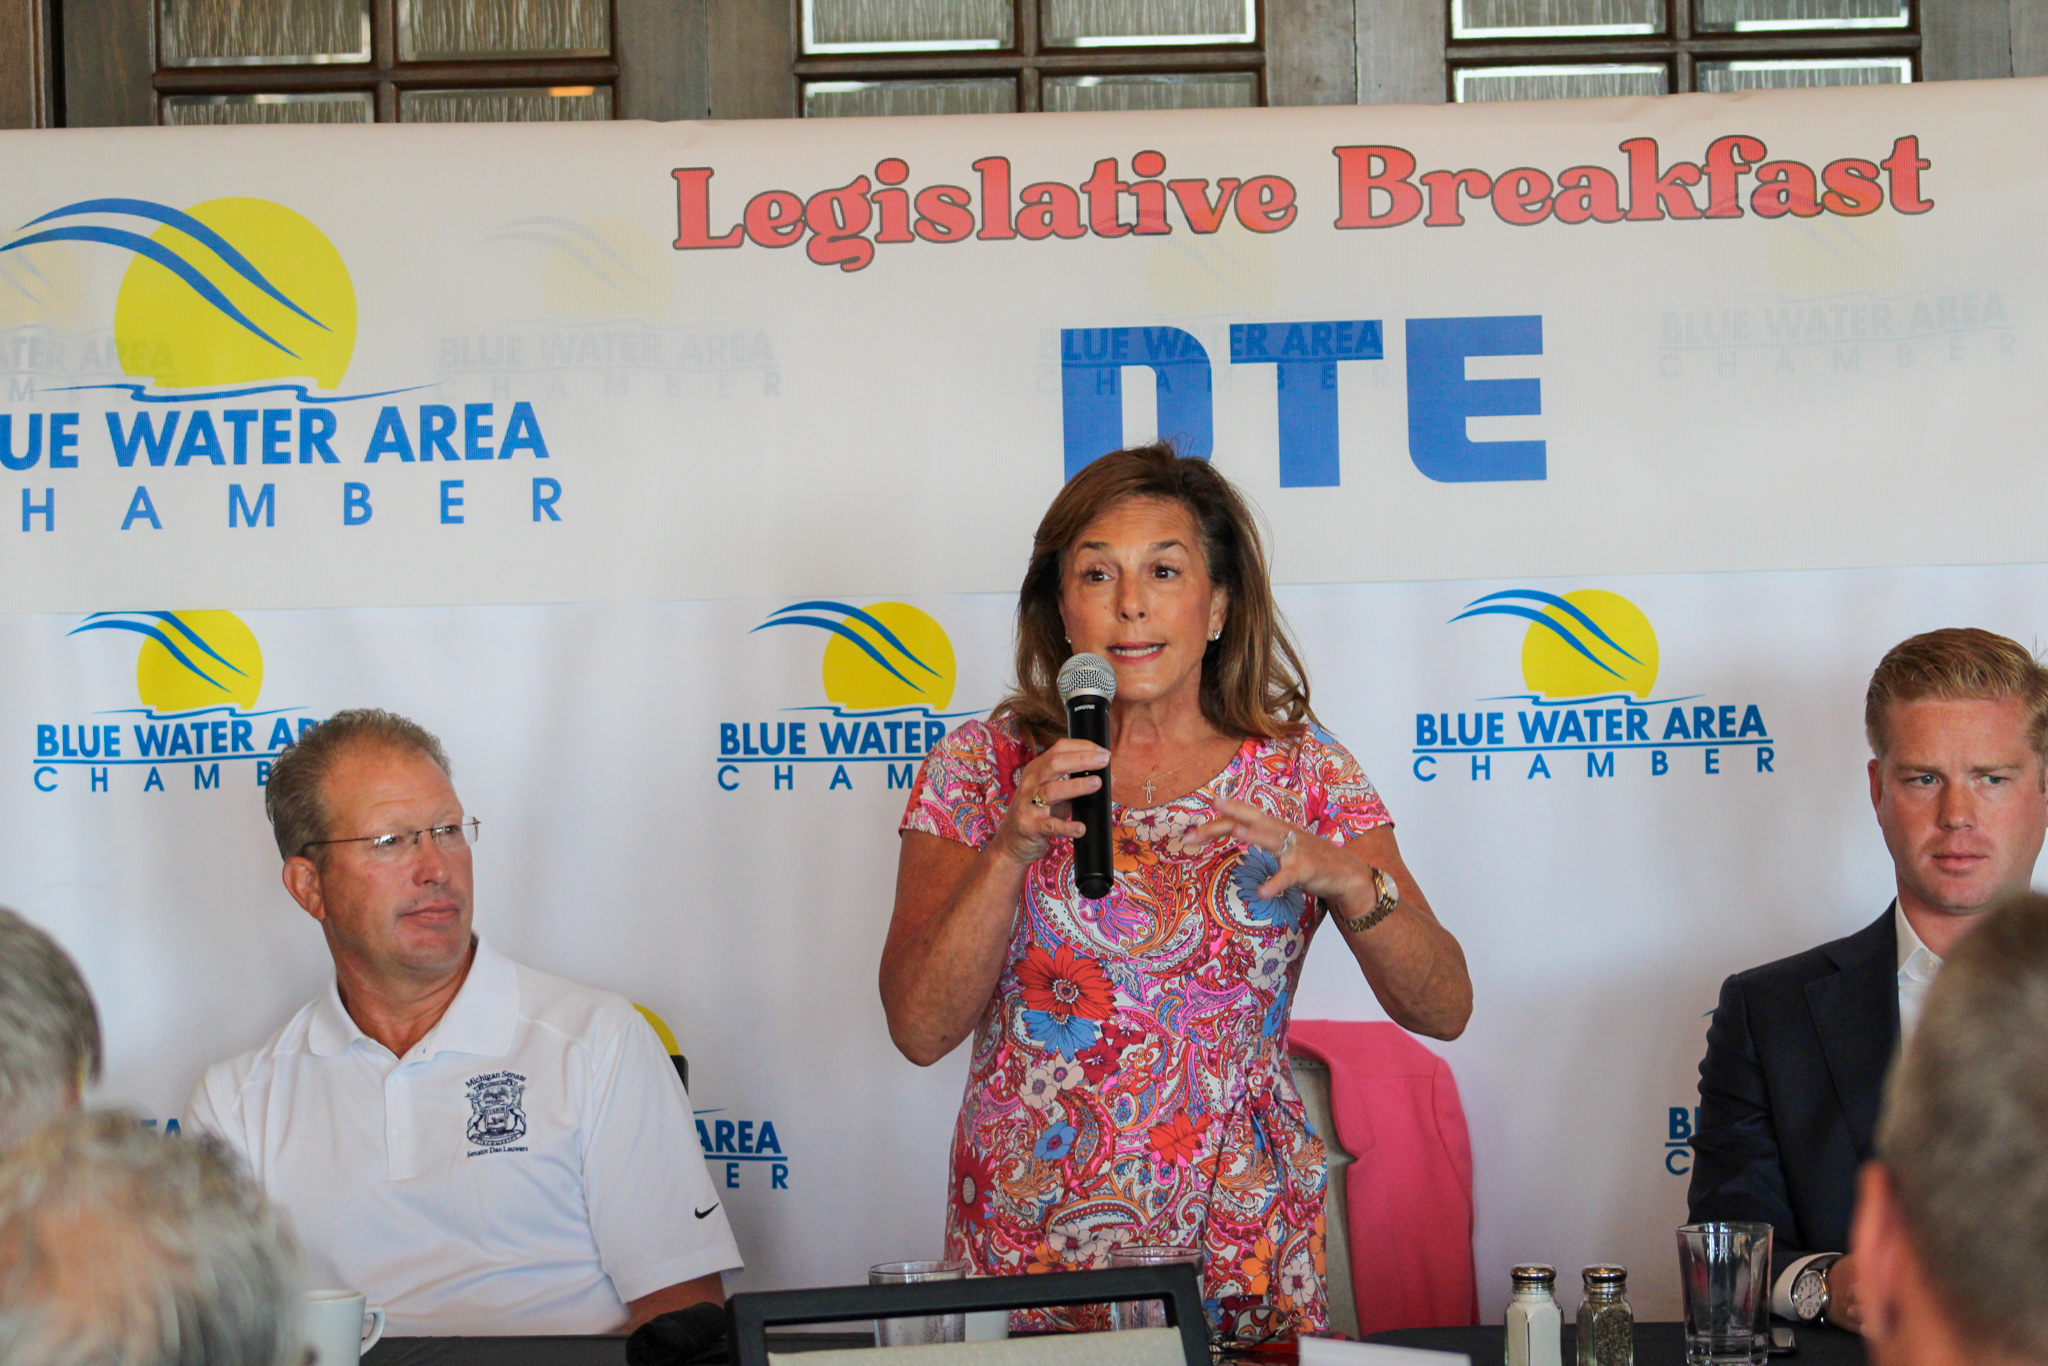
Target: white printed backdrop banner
{"x": 689, "y": 540}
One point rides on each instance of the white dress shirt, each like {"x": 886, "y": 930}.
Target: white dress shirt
{"x": 527, "y": 1168}
{"x": 1917, "y": 970}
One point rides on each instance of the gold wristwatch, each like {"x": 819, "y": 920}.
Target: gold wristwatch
{"x": 1389, "y": 896}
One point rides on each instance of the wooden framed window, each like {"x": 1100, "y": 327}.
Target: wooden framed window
{"x": 864, "y": 57}
{"x": 1570, "y": 49}
{"x": 185, "y": 62}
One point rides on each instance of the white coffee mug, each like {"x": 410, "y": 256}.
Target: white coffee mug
{"x": 339, "y": 1327}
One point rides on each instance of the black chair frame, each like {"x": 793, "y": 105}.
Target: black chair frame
{"x": 750, "y": 1315}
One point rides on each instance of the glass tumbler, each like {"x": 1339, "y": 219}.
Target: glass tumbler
{"x": 1725, "y": 1271}
{"x": 1147, "y": 1313}
{"x": 923, "y": 1329}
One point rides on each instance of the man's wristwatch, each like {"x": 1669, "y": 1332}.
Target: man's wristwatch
{"x": 1387, "y": 896}
{"x": 1810, "y": 1288}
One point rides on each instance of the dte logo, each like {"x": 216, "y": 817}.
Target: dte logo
{"x": 1305, "y": 357}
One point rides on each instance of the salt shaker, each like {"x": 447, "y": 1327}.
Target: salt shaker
{"x": 1535, "y": 1327}
{"x": 1607, "y": 1326}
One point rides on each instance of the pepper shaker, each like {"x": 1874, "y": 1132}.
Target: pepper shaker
{"x": 1607, "y": 1326}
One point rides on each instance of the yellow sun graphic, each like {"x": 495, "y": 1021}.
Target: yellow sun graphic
{"x": 221, "y": 663}
{"x": 1607, "y": 646}
{"x": 604, "y": 269}
{"x": 168, "y": 330}
{"x": 916, "y": 670}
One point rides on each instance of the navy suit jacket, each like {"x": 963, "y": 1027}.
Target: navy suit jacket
{"x": 1790, "y": 1087}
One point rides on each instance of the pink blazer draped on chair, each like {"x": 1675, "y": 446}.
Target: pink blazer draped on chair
{"x": 1410, "y": 1197}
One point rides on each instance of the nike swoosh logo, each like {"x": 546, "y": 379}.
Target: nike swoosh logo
{"x": 705, "y": 1213}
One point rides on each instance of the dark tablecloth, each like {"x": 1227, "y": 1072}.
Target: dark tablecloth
{"x": 609, "y": 1351}
{"x": 1657, "y": 1344}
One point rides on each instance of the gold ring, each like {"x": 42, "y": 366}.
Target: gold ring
{"x": 1038, "y": 800}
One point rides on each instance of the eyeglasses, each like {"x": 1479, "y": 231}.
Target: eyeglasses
{"x": 446, "y": 838}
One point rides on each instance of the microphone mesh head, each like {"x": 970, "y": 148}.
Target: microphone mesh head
{"x": 1086, "y": 674}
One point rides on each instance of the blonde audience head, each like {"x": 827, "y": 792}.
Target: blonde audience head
{"x": 1952, "y": 1224}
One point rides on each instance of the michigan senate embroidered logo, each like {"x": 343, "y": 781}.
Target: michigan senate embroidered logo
{"x": 495, "y": 1116}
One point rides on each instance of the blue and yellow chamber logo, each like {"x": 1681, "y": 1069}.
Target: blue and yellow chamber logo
{"x": 887, "y": 672}
{"x": 198, "y": 675}
{"x": 886, "y": 655}
{"x": 1580, "y": 644}
{"x": 189, "y": 661}
{"x": 1590, "y": 660}
{"x": 229, "y": 291}
{"x": 601, "y": 270}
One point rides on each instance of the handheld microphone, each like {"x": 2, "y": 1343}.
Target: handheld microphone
{"x": 1086, "y": 684}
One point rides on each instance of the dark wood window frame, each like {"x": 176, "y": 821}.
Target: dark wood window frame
{"x": 1679, "y": 49}
{"x": 657, "y": 68}
{"x": 1027, "y": 61}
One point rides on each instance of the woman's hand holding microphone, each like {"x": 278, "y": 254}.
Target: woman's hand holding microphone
{"x": 1038, "y": 812}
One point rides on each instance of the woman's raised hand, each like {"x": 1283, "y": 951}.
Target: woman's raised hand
{"x": 1038, "y": 809}
{"x": 1307, "y": 860}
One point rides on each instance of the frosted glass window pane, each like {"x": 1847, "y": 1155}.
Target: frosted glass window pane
{"x": 532, "y": 104}
{"x": 1479, "y": 83}
{"x": 907, "y": 25}
{"x": 271, "y": 32}
{"x": 459, "y": 30}
{"x": 1554, "y": 18}
{"x": 1083, "y": 94}
{"x": 341, "y": 106}
{"x": 1146, "y": 23}
{"x": 1722, "y": 76}
{"x": 863, "y": 99}
{"x": 1762, "y": 16}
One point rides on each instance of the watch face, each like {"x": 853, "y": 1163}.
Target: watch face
{"x": 1807, "y": 1294}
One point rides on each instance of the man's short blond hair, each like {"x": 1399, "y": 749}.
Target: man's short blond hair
{"x": 1958, "y": 664}
{"x": 293, "y": 800}
{"x": 1964, "y": 1133}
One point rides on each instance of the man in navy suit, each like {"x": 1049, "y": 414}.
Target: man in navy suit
{"x": 1797, "y": 1052}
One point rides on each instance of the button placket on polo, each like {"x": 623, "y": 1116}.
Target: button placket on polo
{"x": 401, "y": 1126}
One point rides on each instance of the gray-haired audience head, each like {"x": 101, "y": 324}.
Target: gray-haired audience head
{"x": 1957, "y": 1200}
{"x": 121, "y": 1248}
{"x": 49, "y": 1030}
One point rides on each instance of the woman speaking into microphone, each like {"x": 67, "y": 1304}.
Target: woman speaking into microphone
{"x": 1129, "y": 1084}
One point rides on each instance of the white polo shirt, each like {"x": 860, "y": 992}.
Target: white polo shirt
{"x": 529, "y": 1167}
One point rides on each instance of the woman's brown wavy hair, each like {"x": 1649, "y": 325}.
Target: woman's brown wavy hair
{"x": 1253, "y": 682}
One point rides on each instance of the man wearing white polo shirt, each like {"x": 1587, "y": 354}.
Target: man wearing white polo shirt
{"x": 477, "y": 1146}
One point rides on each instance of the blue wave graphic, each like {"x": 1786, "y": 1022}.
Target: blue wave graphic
{"x": 123, "y": 621}
{"x": 1548, "y": 622}
{"x": 1628, "y": 698}
{"x": 137, "y": 392}
{"x": 784, "y": 617}
{"x": 888, "y": 711}
{"x": 191, "y": 227}
{"x": 165, "y": 257}
{"x": 559, "y": 232}
{"x": 226, "y": 710}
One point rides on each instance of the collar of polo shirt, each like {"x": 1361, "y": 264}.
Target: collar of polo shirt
{"x": 481, "y": 1019}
